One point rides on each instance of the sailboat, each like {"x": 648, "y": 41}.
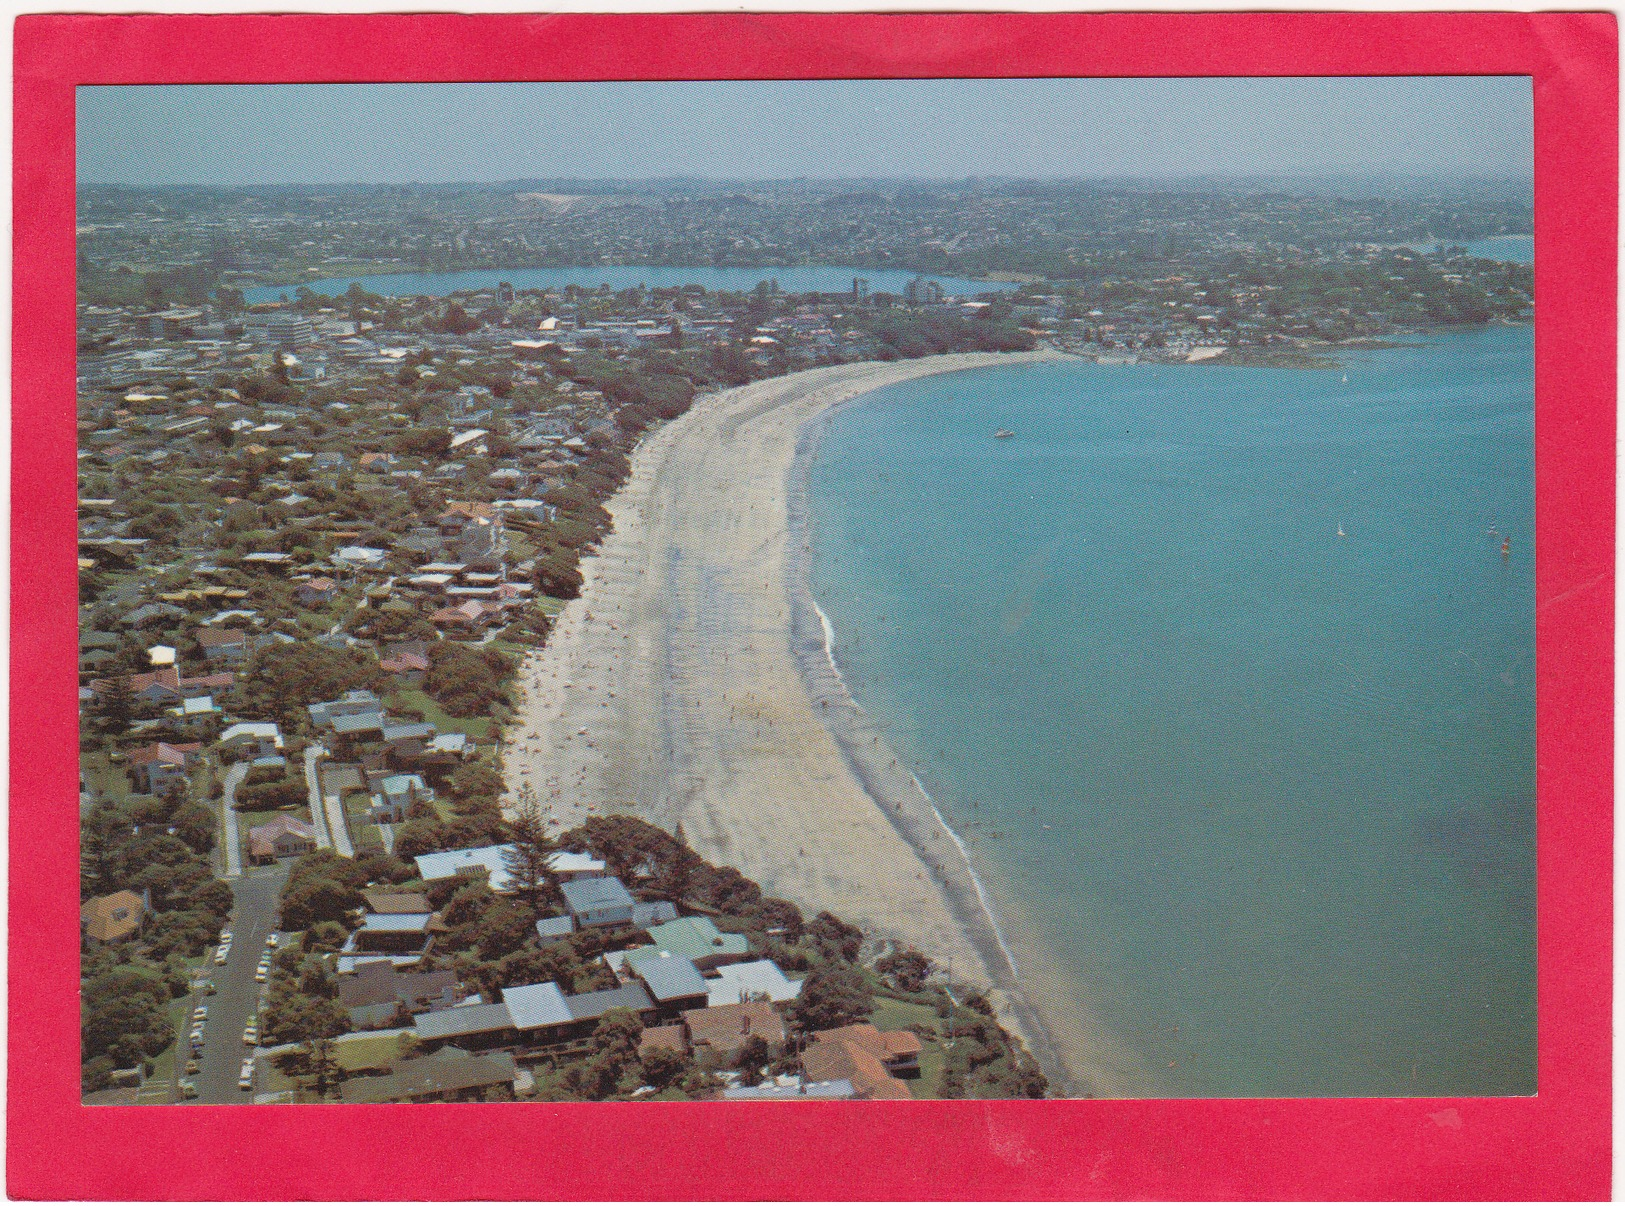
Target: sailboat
{"x": 1340, "y": 530}
{"x": 1345, "y": 378}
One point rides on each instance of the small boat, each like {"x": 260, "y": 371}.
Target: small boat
{"x": 1003, "y": 434}
{"x": 1345, "y": 378}
{"x": 1340, "y": 530}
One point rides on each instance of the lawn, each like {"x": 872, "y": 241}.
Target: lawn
{"x": 372, "y": 1051}
{"x": 477, "y": 727}
{"x": 102, "y": 778}
{"x": 892, "y": 1014}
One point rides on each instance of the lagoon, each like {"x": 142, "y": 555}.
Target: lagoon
{"x": 799, "y": 279}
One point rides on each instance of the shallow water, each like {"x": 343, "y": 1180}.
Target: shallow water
{"x": 1264, "y": 793}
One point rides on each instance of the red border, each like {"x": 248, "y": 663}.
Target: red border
{"x": 1556, "y": 1145}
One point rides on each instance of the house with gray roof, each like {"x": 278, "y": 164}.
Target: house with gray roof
{"x": 599, "y": 901}
{"x": 674, "y": 983}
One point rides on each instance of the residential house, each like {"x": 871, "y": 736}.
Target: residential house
{"x": 695, "y": 938}
{"x": 317, "y": 591}
{"x": 844, "y": 1059}
{"x": 114, "y": 917}
{"x": 598, "y": 901}
{"x": 159, "y": 688}
{"x": 408, "y": 669}
{"x": 758, "y": 981}
{"x": 251, "y": 740}
{"x": 898, "y": 1050}
{"x": 199, "y": 716}
{"x": 397, "y": 902}
{"x": 228, "y": 646}
{"x": 491, "y": 862}
{"x": 154, "y": 769}
{"x": 281, "y": 837}
{"x": 673, "y": 983}
{"x": 724, "y": 1029}
{"x": 391, "y": 934}
{"x": 379, "y": 994}
{"x": 449, "y": 1074}
{"x": 351, "y": 703}
{"x": 396, "y": 794}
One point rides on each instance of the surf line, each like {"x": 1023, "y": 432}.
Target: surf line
{"x": 800, "y": 574}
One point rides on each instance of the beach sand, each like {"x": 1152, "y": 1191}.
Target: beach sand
{"x": 690, "y": 684}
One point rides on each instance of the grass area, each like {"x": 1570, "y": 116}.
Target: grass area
{"x": 102, "y": 778}
{"x": 477, "y": 727}
{"x": 372, "y": 1051}
{"x": 549, "y": 606}
{"x": 892, "y": 1014}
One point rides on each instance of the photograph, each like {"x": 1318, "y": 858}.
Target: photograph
{"x": 806, "y": 589}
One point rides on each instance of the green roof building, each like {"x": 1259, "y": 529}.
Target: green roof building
{"x": 694, "y": 938}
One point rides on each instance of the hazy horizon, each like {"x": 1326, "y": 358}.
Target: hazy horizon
{"x": 927, "y": 131}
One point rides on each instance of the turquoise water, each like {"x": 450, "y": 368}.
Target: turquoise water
{"x": 1266, "y": 794}
{"x": 792, "y": 280}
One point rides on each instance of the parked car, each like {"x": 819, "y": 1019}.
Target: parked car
{"x": 191, "y": 1067}
{"x": 188, "y": 1089}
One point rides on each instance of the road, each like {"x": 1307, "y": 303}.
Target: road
{"x": 234, "y": 847}
{"x": 253, "y": 919}
{"x": 313, "y": 784}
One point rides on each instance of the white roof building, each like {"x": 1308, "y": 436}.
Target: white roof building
{"x": 735, "y": 983}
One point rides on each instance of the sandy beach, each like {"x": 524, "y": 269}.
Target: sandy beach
{"x": 690, "y": 683}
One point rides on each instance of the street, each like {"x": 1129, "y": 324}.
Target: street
{"x": 253, "y": 919}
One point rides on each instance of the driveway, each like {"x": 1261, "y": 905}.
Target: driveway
{"x": 253, "y": 919}
{"x": 234, "y": 847}
{"x": 313, "y": 784}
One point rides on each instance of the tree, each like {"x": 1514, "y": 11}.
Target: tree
{"x": 663, "y": 1065}
{"x": 834, "y": 994}
{"x": 317, "y": 899}
{"x": 124, "y": 1015}
{"x": 835, "y": 938}
{"x": 530, "y": 849}
{"x": 116, "y": 706}
{"x": 753, "y": 1053}
{"x": 617, "y": 1037}
{"x": 195, "y": 825}
{"x": 906, "y": 968}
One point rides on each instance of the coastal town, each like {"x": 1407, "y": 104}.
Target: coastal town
{"x": 347, "y": 571}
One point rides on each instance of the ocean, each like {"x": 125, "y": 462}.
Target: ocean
{"x": 1260, "y": 794}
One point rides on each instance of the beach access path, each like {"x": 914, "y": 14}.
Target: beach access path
{"x": 671, "y": 689}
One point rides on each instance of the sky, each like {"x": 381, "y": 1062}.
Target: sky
{"x": 935, "y": 129}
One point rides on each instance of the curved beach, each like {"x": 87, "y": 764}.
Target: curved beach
{"x": 692, "y": 683}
